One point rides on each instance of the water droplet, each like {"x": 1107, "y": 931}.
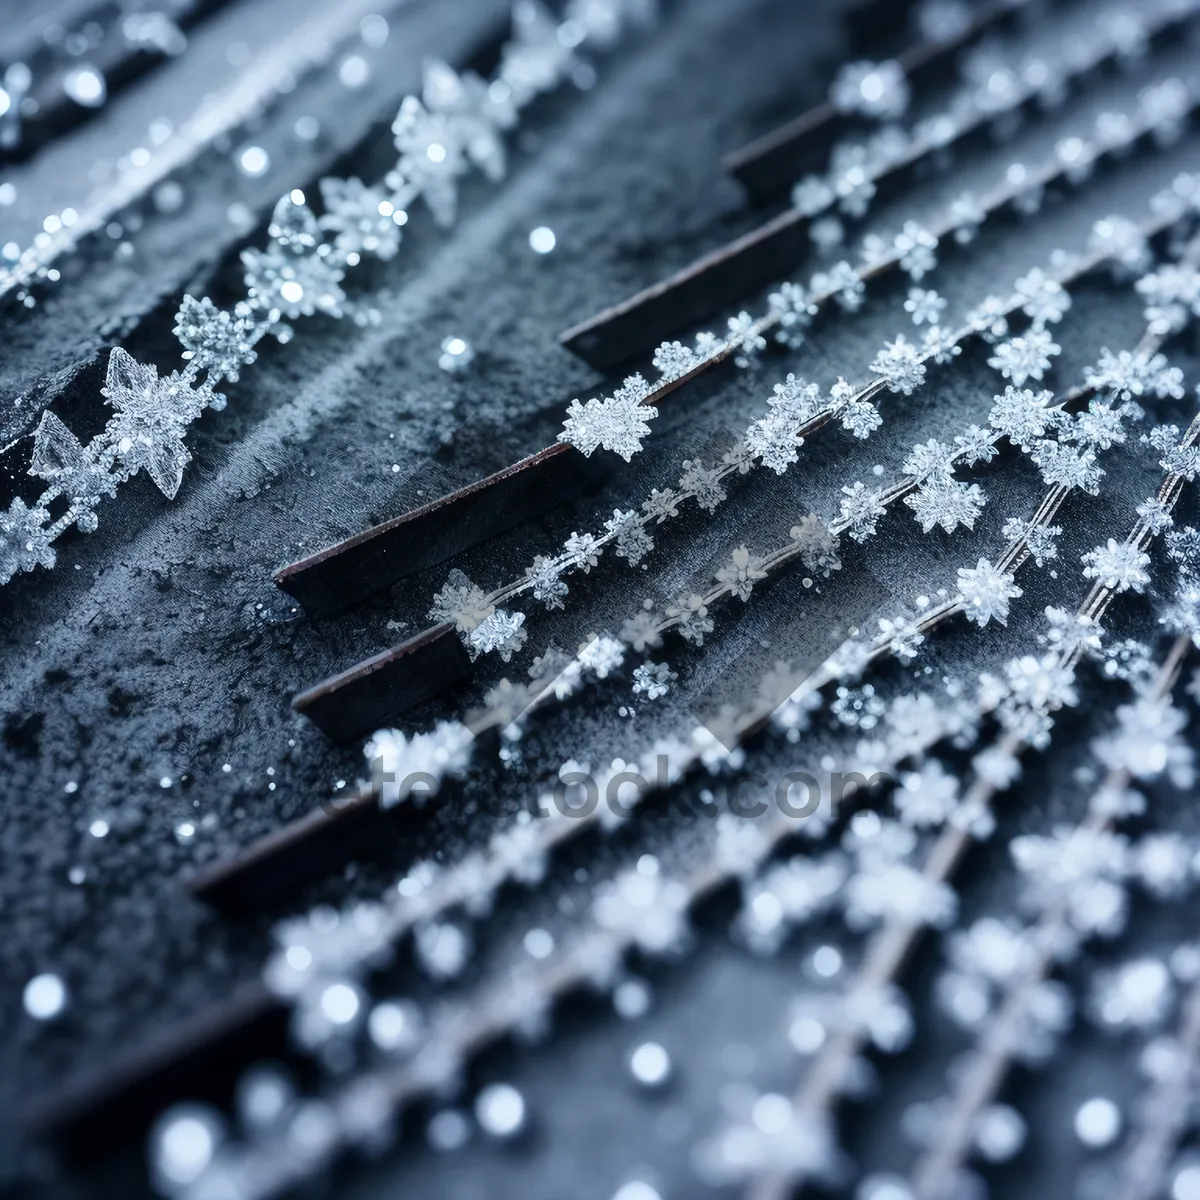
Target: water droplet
{"x": 254, "y": 161}
{"x": 85, "y": 85}
{"x": 542, "y": 240}
{"x": 500, "y": 1111}
{"x": 650, "y": 1064}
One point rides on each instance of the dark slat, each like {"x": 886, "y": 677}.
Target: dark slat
{"x": 768, "y": 166}
{"x": 375, "y": 691}
{"x": 303, "y": 850}
{"x": 874, "y": 25}
{"x": 200, "y": 1058}
{"x": 343, "y": 575}
{"x": 653, "y": 315}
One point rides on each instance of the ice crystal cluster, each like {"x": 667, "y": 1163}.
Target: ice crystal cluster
{"x": 933, "y": 762}
{"x": 457, "y": 124}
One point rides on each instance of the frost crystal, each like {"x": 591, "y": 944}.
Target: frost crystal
{"x": 25, "y": 542}
{"x": 63, "y": 461}
{"x": 742, "y": 573}
{"x": 618, "y": 422}
{"x": 500, "y": 633}
{"x": 152, "y": 419}
{"x": 361, "y": 218}
{"x": 986, "y": 592}
{"x": 215, "y": 340}
{"x": 946, "y": 501}
{"x": 925, "y": 306}
{"x": 431, "y": 159}
{"x": 917, "y": 248}
{"x": 899, "y": 363}
{"x": 1027, "y": 357}
{"x": 1118, "y": 565}
{"x": 653, "y": 680}
{"x": 877, "y": 90}
{"x": 1023, "y": 416}
{"x": 861, "y": 510}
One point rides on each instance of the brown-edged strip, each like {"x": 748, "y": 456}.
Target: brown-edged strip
{"x": 372, "y": 692}
{"x": 200, "y": 1058}
{"x": 772, "y": 163}
{"x": 302, "y": 850}
{"x": 744, "y": 267}
{"x": 345, "y": 574}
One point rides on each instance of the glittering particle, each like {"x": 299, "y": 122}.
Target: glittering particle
{"x": 45, "y": 997}
{"x": 254, "y": 161}
{"x": 457, "y": 355}
{"x": 500, "y": 1111}
{"x": 631, "y": 999}
{"x": 307, "y": 128}
{"x": 539, "y": 943}
{"x": 1097, "y": 1122}
{"x": 636, "y": 1189}
{"x": 542, "y": 240}
{"x": 86, "y": 86}
{"x": 354, "y": 71}
{"x": 264, "y": 1095}
{"x": 374, "y": 30}
{"x": 182, "y": 1145}
{"x": 448, "y": 1130}
{"x": 98, "y": 828}
{"x": 340, "y": 1003}
{"x": 650, "y": 1065}
{"x": 1186, "y": 1184}
{"x": 395, "y": 1027}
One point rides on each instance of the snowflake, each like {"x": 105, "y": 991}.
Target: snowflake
{"x": 776, "y": 1140}
{"x": 989, "y": 318}
{"x": 877, "y": 90}
{"x": 500, "y": 633}
{"x": 986, "y": 592}
{"x": 1060, "y": 465}
{"x": 1147, "y": 742}
{"x": 691, "y": 613}
{"x": 152, "y": 418}
{"x": 1077, "y": 870}
{"x": 584, "y": 549}
{"x": 901, "y": 635}
{"x": 461, "y": 603}
{"x": 641, "y": 630}
{"x": 968, "y": 214}
{"x": 1119, "y": 566}
{"x": 1172, "y": 293}
{"x": 975, "y": 446}
{"x": 793, "y": 308}
{"x": 294, "y": 285}
{"x": 618, "y": 422}
{"x": 633, "y": 542}
{"x": 1099, "y": 425}
{"x": 843, "y": 283}
{"x": 653, "y": 680}
{"x": 855, "y": 190}
{"x": 215, "y": 340}
{"x": 477, "y": 113}
{"x": 704, "y": 483}
{"x": 926, "y": 458}
{"x": 661, "y": 505}
{"x": 1183, "y": 549}
{"x": 1036, "y": 688}
{"x": 744, "y": 334}
{"x": 431, "y": 159}
{"x": 1156, "y": 515}
{"x": 742, "y": 573}
{"x": 1026, "y": 357}
{"x": 858, "y": 708}
{"x": 817, "y": 545}
{"x": 899, "y": 363}
{"x": 811, "y": 195}
{"x": 924, "y": 306}
{"x": 927, "y": 797}
{"x": 796, "y": 399}
{"x": 1121, "y": 241}
{"x": 537, "y": 57}
{"x": 1134, "y": 373}
{"x": 72, "y": 468}
{"x": 1023, "y": 415}
{"x": 673, "y": 360}
{"x": 773, "y": 438}
{"x": 917, "y": 248}
{"x": 860, "y": 417}
{"x": 1039, "y": 539}
{"x": 544, "y": 578}
{"x": 945, "y": 501}
{"x": 361, "y": 218}
{"x": 645, "y": 909}
{"x": 861, "y": 510}
{"x": 1183, "y": 461}
{"x": 601, "y": 656}
{"x": 400, "y": 762}
{"x": 25, "y": 542}
{"x": 940, "y": 344}
{"x": 1043, "y": 300}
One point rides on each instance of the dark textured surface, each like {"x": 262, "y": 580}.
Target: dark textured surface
{"x": 159, "y": 647}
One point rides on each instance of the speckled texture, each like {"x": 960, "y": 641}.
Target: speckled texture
{"x": 160, "y": 650}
